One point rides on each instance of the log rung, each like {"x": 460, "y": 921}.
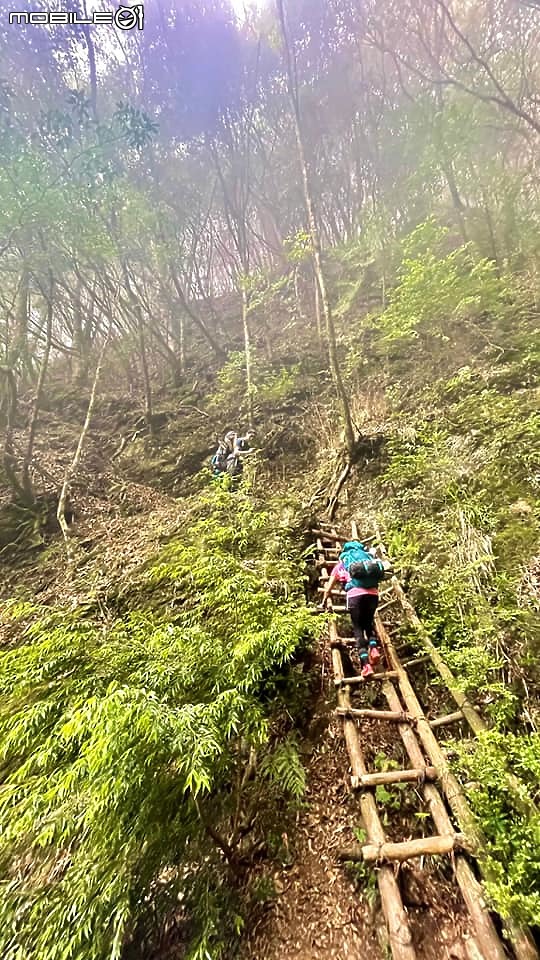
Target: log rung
{"x": 332, "y": 535}
{"x": 417, "y": 775}
{"x": 339, "y": 537}
{"x": 406, "y": 850}
{"x": 387, "y": 675}
{"x": 394, "y": 716}
{"x": 449, "y": 718}
{"x": 416, "y": 661}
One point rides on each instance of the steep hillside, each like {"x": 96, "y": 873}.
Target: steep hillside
{"x": 182, "y": 603}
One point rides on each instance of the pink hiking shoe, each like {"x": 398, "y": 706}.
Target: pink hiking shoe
{"x": 374, "y": 653}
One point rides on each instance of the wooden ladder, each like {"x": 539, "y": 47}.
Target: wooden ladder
{"x": 429, "y": 772}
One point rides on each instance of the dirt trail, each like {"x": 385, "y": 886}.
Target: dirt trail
{"x": 318, "y": 912}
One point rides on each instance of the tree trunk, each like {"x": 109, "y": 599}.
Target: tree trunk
{"x": 491, "y": 233}
{"x": 182, "y": 336}
{"x": 70, "y": 472}
{"x": 148, "y": 411}
{"x": 26, "y": 482}
{"x": 19, "y": 351}
{"x": 247, "y": 351}
{"x": 80, "y": 340}
{"x": 221, "y": 354}
{"x": 315, "y": 235}
{"x": 318, "y": 317}
{"x": 91, "y": 68}
{"x": 137, "y": 312}
{"x": 8, "y": 456}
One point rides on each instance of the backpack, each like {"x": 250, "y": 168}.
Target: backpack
{"x": 234, "y": 466}
{"x": 219, "y": 460}
{"x": 364, "y": 570}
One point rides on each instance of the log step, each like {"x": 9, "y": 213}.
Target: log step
{"x": 401, "y": 646}
{"x": 449, "y": 718}
{"x": 387, "y": 675}
{"x": 388, "y": 603}
{"x": 416, "y": 661}
{"x": 394, "y": 716}
{"x": 406, "y": 850}
{"x": 332, "y": 535}
{"x": 417, "y": 775}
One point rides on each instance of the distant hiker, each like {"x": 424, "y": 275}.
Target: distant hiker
{"x": 224, "y": 451}
{"x": 360, "y": 572}
{"x": 242, "y": 445}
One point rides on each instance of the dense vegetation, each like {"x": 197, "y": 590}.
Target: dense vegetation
{"x": 129, "y": 736}
{"x": 323, "y": 219}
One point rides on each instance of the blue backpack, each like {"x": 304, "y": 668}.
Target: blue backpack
{"x": 364, "y": 570}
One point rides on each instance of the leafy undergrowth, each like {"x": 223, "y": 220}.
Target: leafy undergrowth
{"x": 143, "y": 740}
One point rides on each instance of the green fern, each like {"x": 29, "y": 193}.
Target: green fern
{"x": 124, "y": 732}
{"x": 284, "y": 768}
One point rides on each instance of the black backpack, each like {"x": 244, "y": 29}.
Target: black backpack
{"x": 366, "y": 573}
{"x": 219, "y": 460}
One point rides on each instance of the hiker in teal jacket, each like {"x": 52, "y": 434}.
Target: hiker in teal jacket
{"x": 360, "y": 572}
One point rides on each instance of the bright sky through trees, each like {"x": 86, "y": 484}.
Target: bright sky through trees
{"x": 241, "y": 5}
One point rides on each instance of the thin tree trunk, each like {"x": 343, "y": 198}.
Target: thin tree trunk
{"x": 318, "y": 316}
{"x": 136, "y": 308}
{"x": 297, "y": 294}
{"x": 9, "y": 461}
{"x": 247, "y": 351}
{"x": 182, "y": 332}
{"x": 315, "y": 235}
{"x": 148, "y": 411}
{"x": 447, "y": 167}
{"x": 219, "y": 351}
{"x": 20, "y": 344}
{"x": 70, "y": 472}
{"x": 491, "y": 232}
{"x": 91, "y": 69}
{"x": 26, "y": 482}
{"x": 80, "y": 342}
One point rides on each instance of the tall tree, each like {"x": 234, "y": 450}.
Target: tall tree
{"x": 292, "y": 83}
